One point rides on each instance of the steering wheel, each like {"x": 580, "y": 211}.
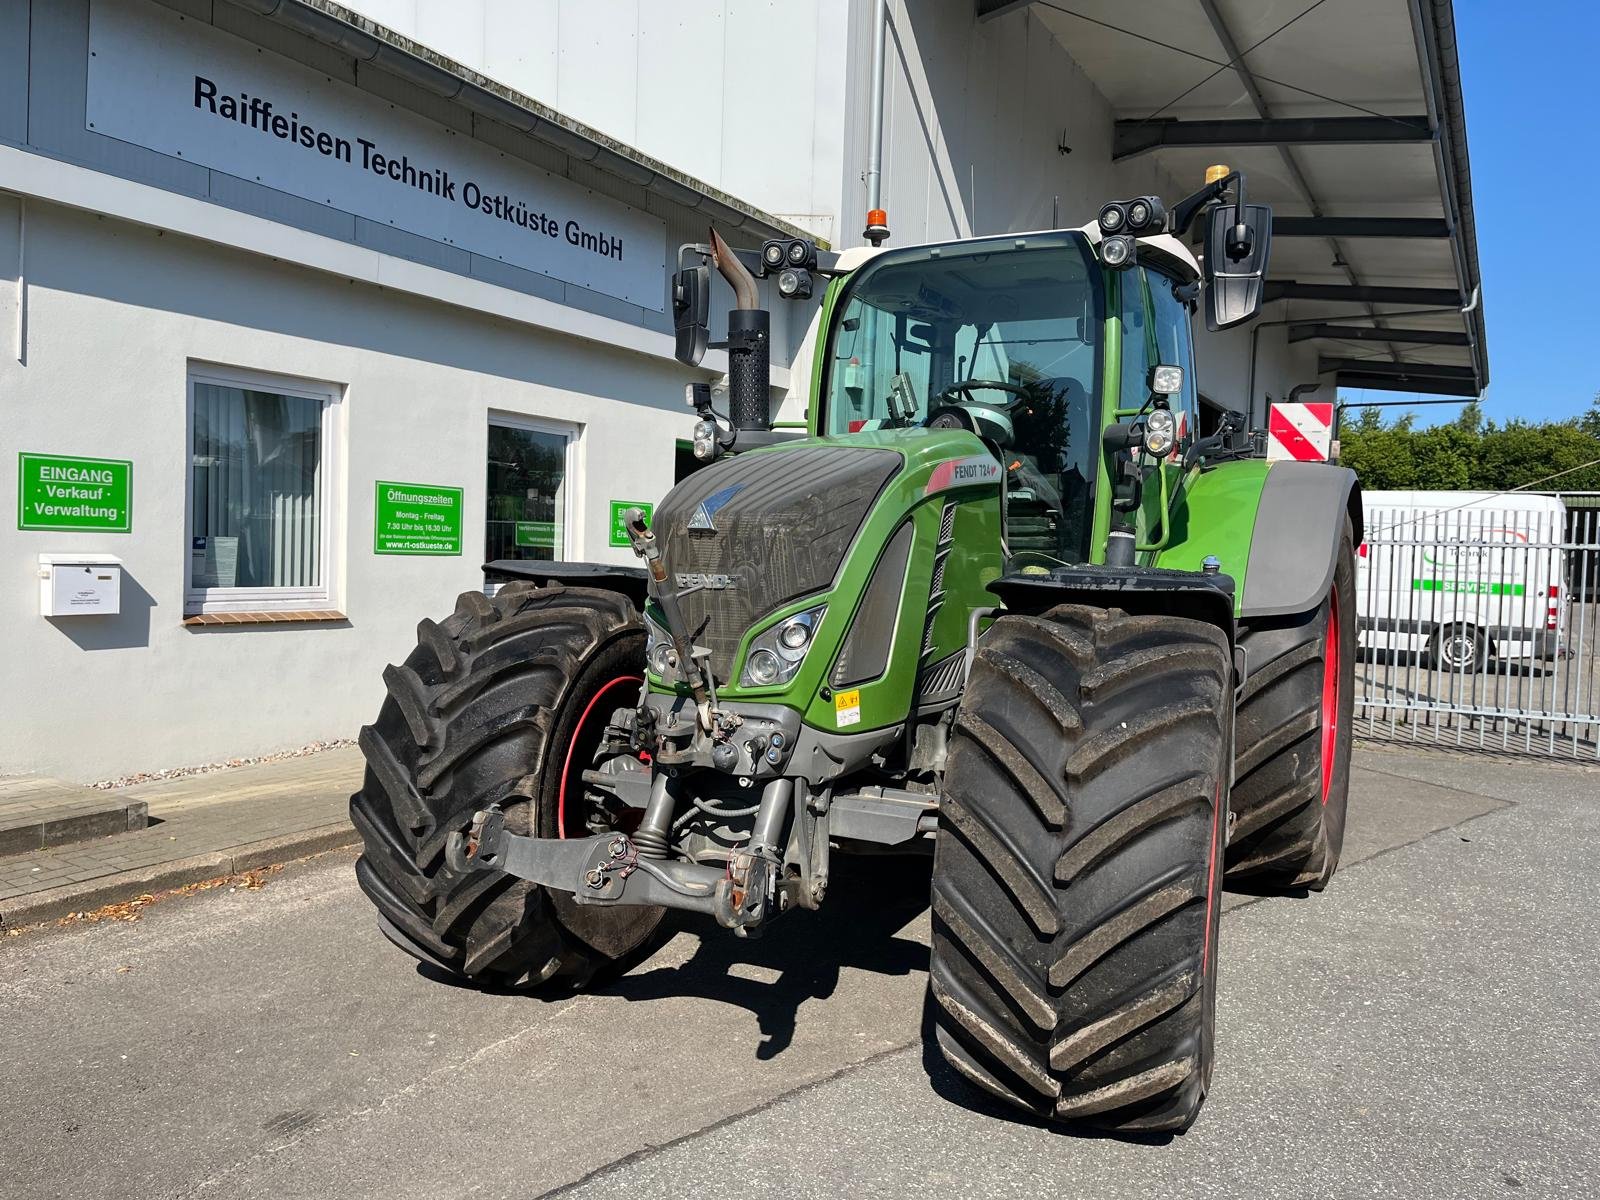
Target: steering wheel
{"x": 961, "y": 392}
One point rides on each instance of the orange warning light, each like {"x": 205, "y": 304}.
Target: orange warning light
{"x": 1217, "y": 172}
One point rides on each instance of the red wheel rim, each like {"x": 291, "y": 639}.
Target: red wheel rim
{"x": 1330, "y": 694}
{"x": 571, "y": 772}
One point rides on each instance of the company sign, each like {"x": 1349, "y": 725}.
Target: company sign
{"x": 186, "y": 89}
{"x": 88, "y": 495}
{"x": 416, "y": 518}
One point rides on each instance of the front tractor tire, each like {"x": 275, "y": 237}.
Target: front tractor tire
{"x": 505, "y": 701}
{"x": 1292, "y": 742}
{"x": 1076, "y": 880}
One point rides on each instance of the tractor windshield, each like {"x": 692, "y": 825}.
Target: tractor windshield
{"x": 1001, "y": 336}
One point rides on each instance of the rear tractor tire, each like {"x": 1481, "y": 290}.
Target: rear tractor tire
{"x": 1076, "y": 879}
{"x": 505, "y": 701}
{"x": 1292, "y": 741}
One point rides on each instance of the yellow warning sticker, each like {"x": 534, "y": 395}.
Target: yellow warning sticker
{"x": 847, "y": 707}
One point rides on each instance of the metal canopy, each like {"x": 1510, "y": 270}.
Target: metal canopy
{"x": 1347, "y": 118}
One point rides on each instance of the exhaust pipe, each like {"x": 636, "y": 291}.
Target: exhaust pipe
{"x": 749, "y": 341}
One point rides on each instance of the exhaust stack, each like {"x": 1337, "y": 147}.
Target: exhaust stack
{"x": 749, "y": 342}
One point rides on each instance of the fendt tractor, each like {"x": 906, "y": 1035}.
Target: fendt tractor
{"x": 1013, "y": 597}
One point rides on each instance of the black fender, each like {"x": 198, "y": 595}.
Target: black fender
{"x": 1144, "y": 591}
{"x": 1295, "y": 545}
{"x": 630, "y": 581}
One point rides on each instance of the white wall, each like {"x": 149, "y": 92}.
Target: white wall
{"x": 115, "y": 313}
{"x": 745, "y": 95}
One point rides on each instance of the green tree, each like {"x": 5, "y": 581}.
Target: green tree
{"x": 1590, "y": 421}
{"x": 1472, "y": 452}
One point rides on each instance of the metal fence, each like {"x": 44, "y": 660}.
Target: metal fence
{"x": 1478, "y": 627}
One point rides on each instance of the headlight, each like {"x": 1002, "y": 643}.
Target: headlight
{"x": 777, "y": 652}
{"x": 1160, "y": 431}
{"x": 660, "y": 655}
{"x": 763, "y": 668}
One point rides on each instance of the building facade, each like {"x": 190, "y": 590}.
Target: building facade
{"x": 307, "y": 310}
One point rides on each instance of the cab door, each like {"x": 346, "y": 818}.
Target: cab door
{"x": 1156, "y": 331}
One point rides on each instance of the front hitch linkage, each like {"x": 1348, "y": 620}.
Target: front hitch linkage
{"x": 604, "y": 870}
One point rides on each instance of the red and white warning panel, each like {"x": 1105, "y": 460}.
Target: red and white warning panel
{"x": 1300, "y": 432}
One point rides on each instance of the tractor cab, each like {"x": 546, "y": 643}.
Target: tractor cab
{"x": 1030, "y": 343}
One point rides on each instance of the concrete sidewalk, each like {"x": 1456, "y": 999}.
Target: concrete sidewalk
{"x": 201, "y": 827}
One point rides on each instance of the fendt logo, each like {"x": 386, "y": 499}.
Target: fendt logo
{"x": 709, "y": 507}
{"x": 692, "y": 581}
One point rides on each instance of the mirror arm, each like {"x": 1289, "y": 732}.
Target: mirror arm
{"x": 1184, "y": 211}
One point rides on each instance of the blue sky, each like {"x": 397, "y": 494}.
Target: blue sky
{"x": 1529, "y": 72}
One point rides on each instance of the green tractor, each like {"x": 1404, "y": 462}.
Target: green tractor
{"x": 1012, "y": 598}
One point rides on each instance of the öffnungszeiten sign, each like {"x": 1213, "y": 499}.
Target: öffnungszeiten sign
{"x": 186, "y": 89}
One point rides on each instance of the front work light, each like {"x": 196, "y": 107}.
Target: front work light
{"x": 1166, "y": 380}
{"x": 794, "y": 284}
{"x": 1160, "y": 432}
{"x": 1112, "y": 218}
{"x": 705, "y": 440}
{"x": 1117, "y": 252}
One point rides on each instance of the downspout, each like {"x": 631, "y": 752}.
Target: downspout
{"x": 22, "y": 280}
{"x": 877, "y": 220}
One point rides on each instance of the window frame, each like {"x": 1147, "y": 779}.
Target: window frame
{"x": 836, "y": 304}
{"x": 199, "y": 601}
{"x": 1189, "y": 401}
{"x": 569, "y": 463}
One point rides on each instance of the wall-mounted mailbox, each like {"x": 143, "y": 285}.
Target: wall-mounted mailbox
{"x": 72, "y": 585}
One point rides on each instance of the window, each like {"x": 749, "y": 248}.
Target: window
{"x": 1139, "y": 351}
{"x": 261, "y": 492}
{"x": 1174, "y": 343}
{"x": 1027, "y": 317}
{"x": 526, "y": 512}
{"x": 913, "y": 323}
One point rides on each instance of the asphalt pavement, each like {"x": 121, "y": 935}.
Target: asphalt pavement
{"x": 1427, "y": 1026}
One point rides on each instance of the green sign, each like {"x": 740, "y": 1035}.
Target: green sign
{"x": 416, "y": 518}
{"x": 539, "y": 534}
{"x": 1470, "y": 587}
{"x": 619, "y": 528}
{"x": 86, "y": 495}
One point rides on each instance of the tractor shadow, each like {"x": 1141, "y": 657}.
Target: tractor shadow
{"x": 870, "y": 899}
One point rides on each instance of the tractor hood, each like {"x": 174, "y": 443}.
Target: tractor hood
{"x": 750, "y": 534}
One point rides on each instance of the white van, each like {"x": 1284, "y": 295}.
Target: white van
{"x": 1464, "y": 578}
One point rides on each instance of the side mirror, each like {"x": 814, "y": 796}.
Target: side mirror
{"x": 691, "y": 313}
{"x": 1238, "y": 243}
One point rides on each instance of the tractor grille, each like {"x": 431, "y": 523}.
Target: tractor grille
{"x": 780, "y": 526}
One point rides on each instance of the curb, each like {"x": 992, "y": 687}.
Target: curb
{"x": 113, "y": 889}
